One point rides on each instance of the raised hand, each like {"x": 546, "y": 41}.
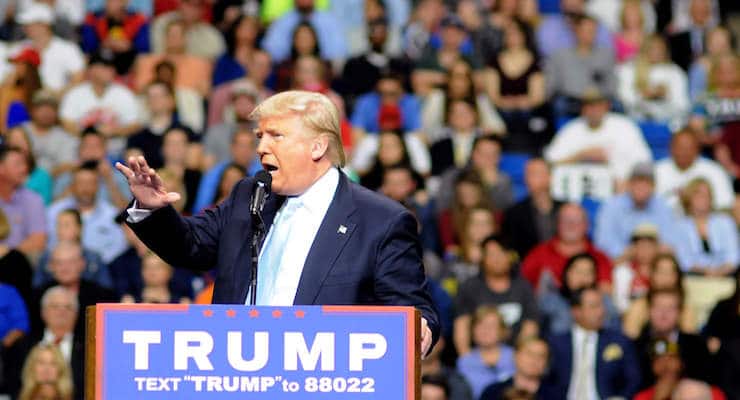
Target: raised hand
{"x": 146, "y": 185}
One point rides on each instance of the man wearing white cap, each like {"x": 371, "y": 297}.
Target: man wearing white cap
{"x": 62, "y": 62}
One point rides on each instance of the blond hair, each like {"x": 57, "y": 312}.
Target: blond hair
{"x": 63, "y": 383}
{"x": 484, "y": 311}
{"x": 316, "y": 111}
{"x": 690, "y": 190}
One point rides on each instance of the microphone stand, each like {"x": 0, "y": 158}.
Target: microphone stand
{"x": 258, "y": 235}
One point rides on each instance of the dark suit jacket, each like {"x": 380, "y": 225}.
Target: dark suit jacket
{"x": 374, "y": 259}
{"x": 519, "y": 228}
{"x": 617, "y": 368}
{"x": 681, "y": 52}
{"x": 697, "y": 362}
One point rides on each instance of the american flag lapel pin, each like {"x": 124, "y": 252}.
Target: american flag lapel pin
{"x": 342, "y": 229}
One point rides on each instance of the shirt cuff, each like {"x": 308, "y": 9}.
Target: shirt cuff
{"x": 136, "y": 214}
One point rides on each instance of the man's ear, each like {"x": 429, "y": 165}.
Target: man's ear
{"x": 319, "y": 147}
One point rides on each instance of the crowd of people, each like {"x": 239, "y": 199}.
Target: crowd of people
{"x": 573, "y": 166}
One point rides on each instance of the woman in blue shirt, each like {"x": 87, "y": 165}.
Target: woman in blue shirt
{"x": 490, "y": 361}
{"x": 710, "y": 238}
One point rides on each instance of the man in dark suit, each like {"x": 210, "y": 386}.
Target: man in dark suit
{"x": 352, "y": 246}
{"x": 689, "y": 44}
{"x": 590, "y": 362}
{"x": 665, "y": 309}
{"x": 534, "y": 219}
{"x": 59, "y": 311}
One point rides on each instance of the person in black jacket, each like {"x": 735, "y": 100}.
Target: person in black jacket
{"x": 665, "y": 308}
{"x": 534, "y": 219}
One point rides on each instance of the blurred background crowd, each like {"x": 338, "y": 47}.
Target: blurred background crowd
{"x": 573, "y": 166}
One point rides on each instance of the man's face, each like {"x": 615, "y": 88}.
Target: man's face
{"x": 537, "y": 176}
{"x": 115, "y": 7}
{"x": 44, "y": 115}
{"x": 496, "y": 262}
{"x": 377, "y": 34}
{"x": 645, "y": 250}
{"x": 14, "y": 169}
{"x": 243, "y": 106}
{"x": 452, "y": 37}
{"x": 398, "y": 184}
{"x": 101, "y": 74}
{"x": 67, "y": 265}
{"x": 289, "y": 152}
{"x": 700, "y": 12}
{"x": 36, "y": 30}
{"x": 641, "y": 190}
{"x": 390, "y": 91}
{"x": 684, "y": 150}
{"x": 571, "y": 224}
{"x": 191, "y": 11}
{"x": 432, "y": 392}
{"x": 586, "y": 32}
{"x": 590, "y": 314}
{"x": 85, "y": 186}
{"x": 664, "y": 313}
{"x": 59, "y": 312}
{"x": 531, "y": 359}
{"x": 175, "y": 146}
{"x": 594, "y": 112}
{"x": 243, "y": 149}
{"x": 92, "y": 147}
{"x": 486, "y": 154}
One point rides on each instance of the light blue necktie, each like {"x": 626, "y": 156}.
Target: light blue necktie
{"x": 269, "y": 262}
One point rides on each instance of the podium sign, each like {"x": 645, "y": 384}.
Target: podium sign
{"x": 240, "y": 352}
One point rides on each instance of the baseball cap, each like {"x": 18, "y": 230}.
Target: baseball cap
{"x": 592, "y": 95}
{"x": 643, "y": 170}
{"x": 645, "y": 231}
{"x": 36, "y": 13}
{"x": 27, "y": 55}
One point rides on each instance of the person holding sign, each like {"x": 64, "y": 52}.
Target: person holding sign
{"x": 329, "y": 241}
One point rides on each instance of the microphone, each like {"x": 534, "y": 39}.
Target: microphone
{"x": 261, "y": 191}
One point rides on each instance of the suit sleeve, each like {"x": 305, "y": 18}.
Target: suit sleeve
{"x": 399, "y": 272}
{"x": 632, "y": 372}
{"x": 189, "y": 242}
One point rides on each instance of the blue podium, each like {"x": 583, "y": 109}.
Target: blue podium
{"x": 181, "y": 352}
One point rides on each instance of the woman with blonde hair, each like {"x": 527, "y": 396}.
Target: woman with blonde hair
{"x": 629, "y": 40}
{"x": 45, "y": 364}
{"x": 652, "y": 87}
{"x": 710, "y": 238}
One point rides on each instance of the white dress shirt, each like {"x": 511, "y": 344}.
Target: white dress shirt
{"x": 65, "y": 345}
{"x": 308, "y": 217}
{"x": 583, "y": 374}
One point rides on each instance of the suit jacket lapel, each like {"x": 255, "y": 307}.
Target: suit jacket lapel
{"x": 333, "y": 235}
{"x": 242, "y": 272}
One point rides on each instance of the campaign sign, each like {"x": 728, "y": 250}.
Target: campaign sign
{"x": 239, "y": 352}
